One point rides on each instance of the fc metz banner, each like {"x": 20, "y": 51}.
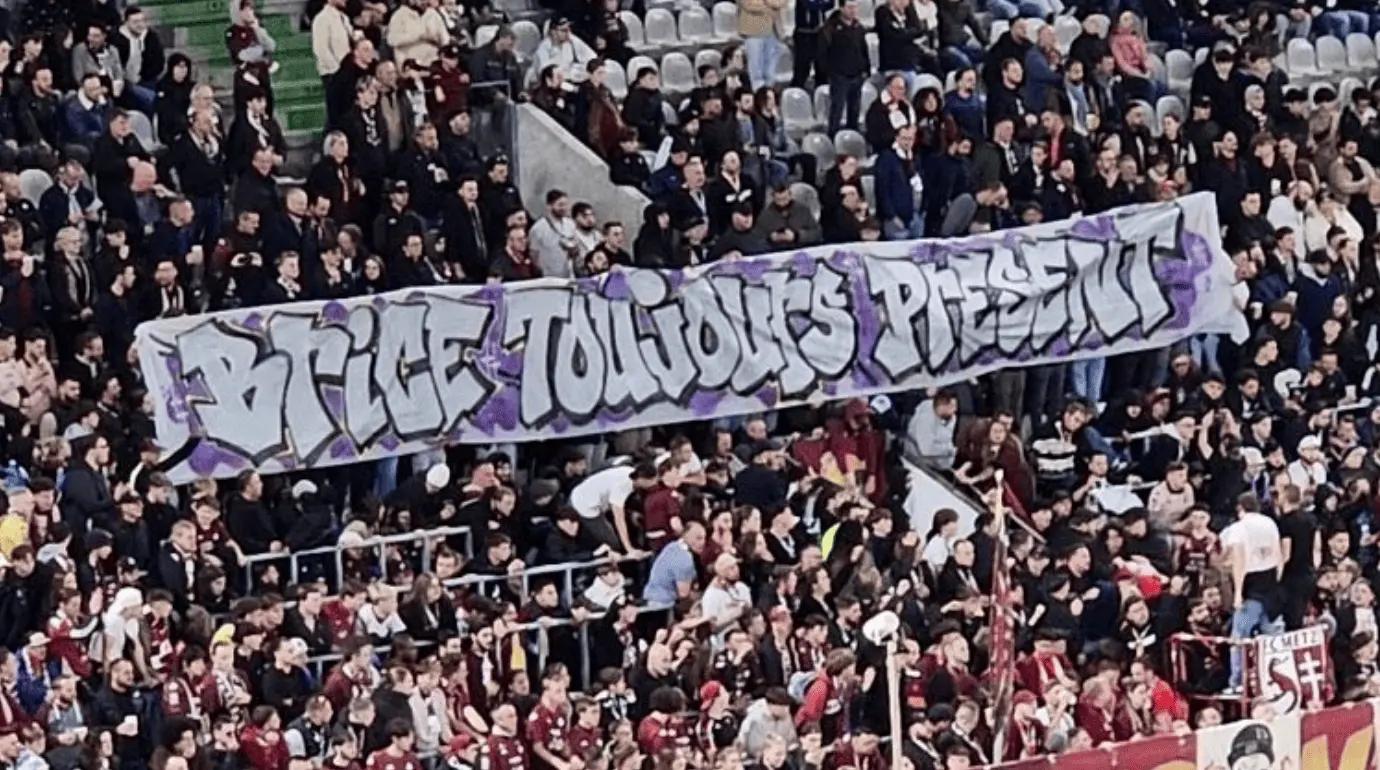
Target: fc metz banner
{"x": 315, "y": 384}
{"x": 1290, "y": 670}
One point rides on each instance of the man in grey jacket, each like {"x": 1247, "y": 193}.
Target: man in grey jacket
{"x": 787, "y": 223}
{"x": 768, "y": 716}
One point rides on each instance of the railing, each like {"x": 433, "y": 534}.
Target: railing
{"x": 320, "y": 664}
{"x": 336, "y": 553}
{"x": 566, "y": 569}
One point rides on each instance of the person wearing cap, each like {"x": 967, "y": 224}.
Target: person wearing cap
{"x": 397, "y": 220}
{"x": 1309, "y": 470}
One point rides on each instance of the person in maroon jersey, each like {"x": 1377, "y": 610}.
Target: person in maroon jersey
{"x": 586, "y": 735}
{"x": 397, "y": 755}
{"x": 549, "y": 723}
{"x": 503, "y": 750}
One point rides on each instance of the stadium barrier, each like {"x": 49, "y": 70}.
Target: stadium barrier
{"x": 1337, "y": 738}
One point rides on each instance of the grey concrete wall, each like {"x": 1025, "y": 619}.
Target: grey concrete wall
{"x": 548, "y": 157}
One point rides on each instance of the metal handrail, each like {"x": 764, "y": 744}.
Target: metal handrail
{"x": 567, "y": 568}
{"x": 336, "y": 550}
{"x": 320, "y": 663}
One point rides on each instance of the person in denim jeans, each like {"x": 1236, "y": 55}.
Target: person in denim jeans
{"x": 1252, "y": 546}
{"x": 759, "y": 23}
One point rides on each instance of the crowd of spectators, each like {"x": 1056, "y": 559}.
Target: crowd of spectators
{"x": 1214, "y": 488}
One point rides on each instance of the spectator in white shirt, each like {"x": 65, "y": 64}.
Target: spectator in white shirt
{"x": 552, "y": 239}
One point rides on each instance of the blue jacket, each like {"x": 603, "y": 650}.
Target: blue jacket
{"x": 82, "y": 125}
{"x": 1039, "y": 78}
{"x": 895, "y": 199}
{"x": 969, "y": 114}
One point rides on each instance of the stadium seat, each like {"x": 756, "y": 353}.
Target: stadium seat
{"x": 677, "y": 73}
{"x": 867, "y": 14}
{"x": 637, "y": 39}
{"x": 869, "y": 188}
{"x": 869, "y": 95}
{"x": 528, "y": 38}
{"x": 1158, "y": 71}
{"x": 1147, "y": 113}
{"x": 485, "y": 34}
{"x": 1331, "y": 54}
{"x": 696, "y": 26}
{"x": 1347, "y": 87}
{"x": 807, "y": 196}
{"x": 33, "y": 182}
{"x": 616, "y": 79}
{"x": 819, "y": 146}
{"x": 1360, "y": 52}
{"x": 1066, "y": 29}
{"x": 1169, "y": 105}
{"x": 1180, "y": 66}
{"x": 797, "y": 112}
{"x": 668, "y": 113}
{"x": 850, "y": 142}
{"x": 925, "y": 80}
{"x": 142, "y": 127}
{"x": 822, "y": 102}
{"x": 788, "y": 19}
{"x": 635, "y": 65}
{"x": 1104, "y": 24}
{"x": 725, "y": 21}
{"x": 999, "y": 27}
{"x": 660, "y": 29}
{"x": 785, "y": 67}
{"x": 708, "y": 56}
{"x": 874, "y": 47}
{"x": 1300, "y": 59}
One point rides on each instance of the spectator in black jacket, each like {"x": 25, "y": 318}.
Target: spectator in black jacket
{"x": 844, "y": 54}
{"x": 284, "y": 684}
{"x": 120, "y": 706}
{"x": 198, "y": 160}
{"x": 899, "y": 32}
{"x": 86, "y": 497}
{"x": 642, "y": 108}
{"x": 249, "y": 521}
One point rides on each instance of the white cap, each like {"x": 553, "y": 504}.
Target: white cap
{"x": 438, "y": 475}
{"x": 303, "y": 488}
{"x": 1310, "y": 442}
{"x": 1252, "y": 456}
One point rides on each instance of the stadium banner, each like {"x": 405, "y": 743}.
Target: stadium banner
{"x": 322, "y": 383}
{"x": 1337, "y": 738}
{"x": 1290, "y": 670}
{"x": 1341, "y": 738}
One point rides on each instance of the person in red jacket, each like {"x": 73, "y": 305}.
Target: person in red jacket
{"x": 1025, "y": 736}
{"x": 261, "y": 741}
{"x": 1096, "y": 712}
{"x": 826, "y": 698}
{"x": 503, "y": 750}
{"x": 663, "y": 728}
{"x": 397, "y": 755}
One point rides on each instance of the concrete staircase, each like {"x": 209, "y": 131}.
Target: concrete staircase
{"x": 197, "y": 29}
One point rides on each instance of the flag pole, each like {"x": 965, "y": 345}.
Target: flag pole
{"x": 893, "y": 692}
{"x": 1001, "y": 635}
